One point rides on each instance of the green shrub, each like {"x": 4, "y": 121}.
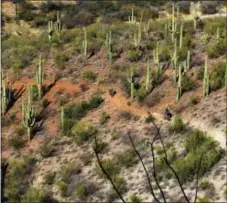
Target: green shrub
{"x": 104, "y": 118}
{"x": 215, "y": 48}
{"x": 204, "y": 199}
{"x": 134, "y": 198}
{"x": 188, "y": 84}
{"x": 63, "y": 187}
{"x": 149, "y": 119}
{"x": 217, "y": 79}
{"x": 47, "y": 148}
{"x": 205, "y": 184}
{"x": 200, "y": 73}
{"x": 134, "y": 55}
{"x": 176, "y": 125}
{"x": 60, "y": 58}
{"x": 90, "y": 75}
{"x": 194, "y": 100}
{"x": 99, "y": 146}
{"x": 81, "y": 191}
{"x": 110, "y": 167}
{"x": 49, "y": 178}
{"x": 16, "y": 142}
{"x": 82, "y": 131}
{"x": 33, "y": 195}
{"x": 126, "y": 159}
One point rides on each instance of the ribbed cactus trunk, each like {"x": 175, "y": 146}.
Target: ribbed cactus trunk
{"x": 63, "y": 118}
{"x": 58, "y": 25}
{"x": 85, "y": 44}
{"x": 179, "y": 88}
{"x": 173, "y": 26}
{"x": 28, "y": 117}
{"x": 218, "y": 33}
{"x": 206, "y": 85}
{"x": 181, "y": 35}
{"x": 50, "y": 31}
{"x": 174, "y": 61}
{"x": 156, "y": 58}
{"x": 131, "y": 81}
{"x": 40, "y": 77}
{"x": 148, "y": 76}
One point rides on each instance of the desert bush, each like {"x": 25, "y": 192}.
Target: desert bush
{"x": 81, "y": 191}
{"x": 149, "y": 119}
{"x": 49, "y": 178}
{"x": 205, "y": 184}
{"x": 82, "y": 131}
{"x": 33, "y": 195}
{"x": 215, "y": 48}
{"x": 204, "y": 199}
{"x": 134, "y": 198}
{"x": 188, "y": 84}
{"x": 176, "y": 125}
{"x": 209, "y": 7}
{"x": 134, "y": 55}
{"x": 217, "y": 79}
{"x": 200, "y": 73}
{"x": 194, "y": 100}
{"x": 126, "y": 159}
{"x": 110, "y": 166}
{"x": 16, "y": 142}
{"x": 104, "y": 118}
{"x": 66, "y": 172}
{"x": 63, "y": 187}
{"x": 99, "y": 145}
{"x": 47, "y": 148}
{"x": 60, "y": 58}
{"x": 90, "y": 75}
{"x": 211, "y": 26}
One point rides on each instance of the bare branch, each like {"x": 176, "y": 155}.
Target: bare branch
{"x": 147, "y": 175}
{"x": 104, "y": 171}
{"x": 197, "y": 177}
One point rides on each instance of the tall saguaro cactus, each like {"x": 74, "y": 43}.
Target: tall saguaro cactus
{"x": 85, "y": 44}
{"x": 62, "y": 118}
{"x": 175, "y": 60}
{"x": 132, "y": 18}
{"x": 28, "y": 117}
{"x": 195, "y": 11}
{"x": 148, "y": 76}
{"x": 40, "y": 77}
{"x": 181, "y": 35}
{"x": 131, "y": 81}
{"x": 206, "y": 85}
{"x": 156, "y": 58}
{"x": 7, "y": 95}
{"x": 58, "y": 25}
{"x": 173, "y": 27}
{"x": 179, "y": 84}
{"x": 50, "y": 30}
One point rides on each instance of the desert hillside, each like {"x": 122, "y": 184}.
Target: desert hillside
{"x": 111, "y": 101}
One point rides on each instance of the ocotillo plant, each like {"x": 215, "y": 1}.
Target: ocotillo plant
{"x": 148, "y": 76}
{"x": 28, "y": 117}
{"x": 206, "y": 85}
{"x": 58, "y": 25}
{"x": 132, "y": 18}
{"x": 62, "y": 118}
{"x": 50, "y": 30}
{"x": 131, "y": 81}
{"x": 179, "y": 88}
{"x": 40, "y": 77}
{"x": 85, "y": 42}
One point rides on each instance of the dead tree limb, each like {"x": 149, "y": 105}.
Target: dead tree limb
{"x": 106, "y": 174}
{"x": 147, "y": 175}
{"x": 197, "y": 177}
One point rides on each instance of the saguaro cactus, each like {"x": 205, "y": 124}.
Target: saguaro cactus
{"x": 206, "y": 85}
{"x": 181, "y": 35}
{"x": 85, "y": 42}
{"x": 63, "y": 118}
{"x": 28, "y": 116}
{"x": 132, "y": 18}
{"x": 7, "y": 95}
{"x": 194, "y": 8}
{"x": 218, "y": 33}
{"x": 58, "y": 25}
{"x": 40, "y": 77}
{"x": 173, "y": 27}
{"x": 156, "y": 57}
{"x": 179, "y": 88}
{"x": 131, "y": 81}
{"x": 50, "y": 30}
{"x": 148, "y": 76}
{"x": 174, "y": 60}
